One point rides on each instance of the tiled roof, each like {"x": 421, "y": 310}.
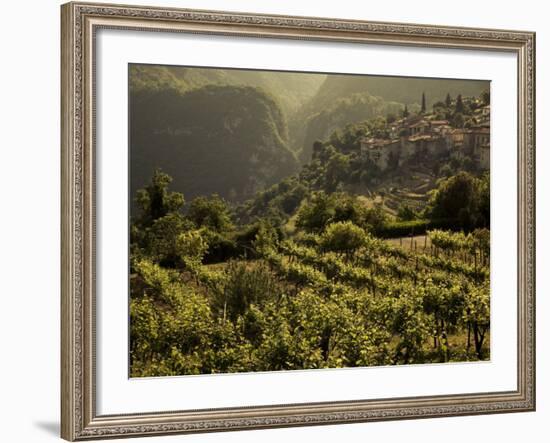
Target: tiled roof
{"x": 422, "y": 137}
{"x": 420, "y": 123}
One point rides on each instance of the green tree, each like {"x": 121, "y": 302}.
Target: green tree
{"x": 324, "y": 208}
{"x": 159, "y": 240}
{"x": 458, "y": 120}
{"x": 343, "y": 237}
{"x": 459, "y": 107}
{"x": 155, "y": 201}
{"x": 211, "y": 212}
{"x": 317, "y": 213}
{"x": 337, "y": 171}
{"x": 153, "y": 234}
{"x": 458, "y": 198}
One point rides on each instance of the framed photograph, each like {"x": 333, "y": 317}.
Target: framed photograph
{"x": 277, "y": 221}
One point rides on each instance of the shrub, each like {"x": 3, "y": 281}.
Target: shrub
{"x": 405, "y": 213}
{"x": 448, "y": 240}
{"x": 343, "y": 237}
{"x": 221, "y": 247}
{"x": 246, "y": 284}
{"x": 266, "y": 239}
{"x": 191, "y": 247}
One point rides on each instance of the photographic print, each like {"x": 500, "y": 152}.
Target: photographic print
{"x": 297, "y": 221}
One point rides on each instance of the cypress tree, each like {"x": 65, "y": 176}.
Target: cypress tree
{"x": 423, "y": 108}
{"x": 448, "y": 100}
{"x": 459, "y": 108}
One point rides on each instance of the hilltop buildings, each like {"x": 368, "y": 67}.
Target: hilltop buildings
{"x": 415, "y": 136}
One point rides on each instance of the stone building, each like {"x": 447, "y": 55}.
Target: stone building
{"x": 424, "y": 136}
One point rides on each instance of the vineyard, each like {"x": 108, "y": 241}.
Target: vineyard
{"x": 342, "y": 263}
{"x": 335, "y": 298}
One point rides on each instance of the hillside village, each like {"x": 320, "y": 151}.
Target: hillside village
{"x": 412, "y": 137}
{"x": 393, "y": 164}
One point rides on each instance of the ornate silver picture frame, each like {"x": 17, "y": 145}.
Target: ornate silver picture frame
{"x": 80, "y": 23}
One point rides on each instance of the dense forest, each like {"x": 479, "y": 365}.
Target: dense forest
{"x": 245, "y": 256}
{"x": 196, "y": 123}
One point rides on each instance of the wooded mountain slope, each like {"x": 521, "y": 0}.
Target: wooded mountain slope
{"x": 403, "y": 89}
{"x": 230, "y": 140}
{"x": 291, "y": 89}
